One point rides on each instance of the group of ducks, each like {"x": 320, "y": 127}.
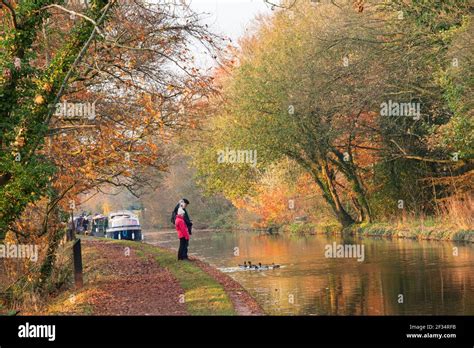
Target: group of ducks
{"x": 248, "y": 265}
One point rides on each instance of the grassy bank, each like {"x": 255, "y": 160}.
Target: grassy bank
{"x": 310, "y": 228}
{"x": 202, "y": 294}
{"x": 129, "y": 278}
{"x": 415, "y": 229}
{"x": 421, "y": 230}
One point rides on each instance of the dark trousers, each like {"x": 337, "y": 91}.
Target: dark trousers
{"x": 183, "y": 249}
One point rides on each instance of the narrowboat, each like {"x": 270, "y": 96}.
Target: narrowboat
{"x": 124, "y": 225}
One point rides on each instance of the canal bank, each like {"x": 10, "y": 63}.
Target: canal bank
{"x": 417, "y": 230}
{"x": 128, "y": 278}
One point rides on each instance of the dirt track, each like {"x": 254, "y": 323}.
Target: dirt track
{"x": 141, "y": 287}
{"x": 137, "y": 285}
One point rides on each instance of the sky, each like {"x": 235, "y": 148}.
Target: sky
{"x": 230, "y": 18}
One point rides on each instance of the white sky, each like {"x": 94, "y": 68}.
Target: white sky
{"x": 230, "y": 18}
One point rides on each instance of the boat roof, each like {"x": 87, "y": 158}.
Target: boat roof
{"x": 122, "y": 213}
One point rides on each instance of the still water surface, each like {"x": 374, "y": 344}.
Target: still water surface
{"x": 425, "y": 276}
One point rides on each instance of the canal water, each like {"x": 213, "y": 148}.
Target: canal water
{"x": 395, "y": 277}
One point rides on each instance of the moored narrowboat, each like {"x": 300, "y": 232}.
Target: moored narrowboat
{"x": 124, "y": 225}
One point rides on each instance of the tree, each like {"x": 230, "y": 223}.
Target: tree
{"x": 310, "y": 84}
{"x": 132, "y": 59}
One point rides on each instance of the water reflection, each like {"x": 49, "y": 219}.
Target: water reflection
{"x": 397, "y": 276}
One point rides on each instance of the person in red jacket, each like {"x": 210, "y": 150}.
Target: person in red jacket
{"x": 183, "y": 232}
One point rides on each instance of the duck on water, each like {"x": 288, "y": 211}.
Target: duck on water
{"x": 248, "y": 265}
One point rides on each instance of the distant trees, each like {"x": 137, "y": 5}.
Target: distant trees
{"x": 309, "y": 85}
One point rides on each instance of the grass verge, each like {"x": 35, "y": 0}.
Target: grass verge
{"x": 203, "y": 295}
{"x": 415, "y": 230}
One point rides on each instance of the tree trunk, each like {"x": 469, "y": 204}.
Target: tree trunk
{"x": 359, "y": 199}
{"x": 47, "y": 267}
{"x": 325, "y": 182}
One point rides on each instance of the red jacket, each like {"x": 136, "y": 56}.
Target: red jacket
{"x": 181, "y": 227}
